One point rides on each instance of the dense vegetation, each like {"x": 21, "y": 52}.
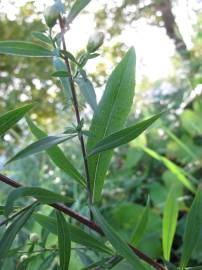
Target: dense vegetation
{"x": 123, "y": 189}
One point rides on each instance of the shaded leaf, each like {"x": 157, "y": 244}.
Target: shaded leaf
{"x": 121, "y": 247}
{"x": 64, "y": 241}
{"x": 61, "y": 73}
{"x": 57, "y": 155}
{"x": 43, "y": 195}
{"x": 110, "y": 116}
{"x": 23, "y": 48}
{"x": 8, "y": 119}
{"x": 192, "y": 229}
{"x": 76, "y": 9}
{"x": 123, "y": 136}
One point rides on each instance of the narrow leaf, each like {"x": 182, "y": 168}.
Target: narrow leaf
{"x": 110, "y": 117}
{"x": 41, "y": 37}
{"x": 9, "y": 119}
{"x": 176, "y": 170}
{"x": 121, "y": 247}
{"x": 10, "y": 233}
{"x": 64, "y": 241}
{"x": 57, "y": 155}
{"x": 192, "y": 229}
{"x": 77, "y": 235}
{"x": 123, "y": 136}
{"x": 61, "y": 73}
{"x": 76, "y": 9}
{"x": 22, "y": 48}
{"x": 41, "y": 145}
{"x": 141, "y": 226}
{"x": 170, "y": 215}
{"x": 88, "y": 92}
{"x": 43, "y": 195}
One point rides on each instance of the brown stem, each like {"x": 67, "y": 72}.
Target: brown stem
{"x": 92, "y": 225}
{"x": 76, "y": 108}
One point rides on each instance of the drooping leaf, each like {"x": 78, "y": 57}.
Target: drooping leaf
{"x": 110, "y": 116}
{"x": 60, "y": 66}
{"x": 88, "y": 92}
{"x": 170, "y": 215}
{"x": 41, "y": 145}
{"x": 43, "y": 195}
{"x": 123, "y": 136}
{"x": 8, "y": 119}
{"x": 141, "y": 226}
{"x": 77, "y": 7}
{"x": 10, "y": 233}
{"x": 192, "y": 229}
{"x": 57, "y": 155}
{"x": 41, "y": 37}
{"x": 176, "y": 170}
{"x": 77, "y": 235}
{"x": 64, "y": 241}
{"x": 121, "y": 247}
{"x": 23, "y": 48}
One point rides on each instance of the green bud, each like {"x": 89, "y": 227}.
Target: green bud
{"x": 51, "y": 15}
{"x": 34, "y": 237}
{"x": 95, "y": 41}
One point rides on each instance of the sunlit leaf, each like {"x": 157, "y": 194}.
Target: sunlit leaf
{"x": 77, "y": 7}
{"x": 41, "y": 37}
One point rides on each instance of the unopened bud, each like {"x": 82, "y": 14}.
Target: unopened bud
{"x": 23, "y": 258}
{"x": 95, "y": 41}
{"x": 34, "y": 237}
{"x": 51, "y": 15}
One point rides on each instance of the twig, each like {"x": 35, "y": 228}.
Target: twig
{"x": 76, "y": 108}
{"x": 92, "y": 225}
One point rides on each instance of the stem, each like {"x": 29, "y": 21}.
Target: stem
{"x": 90, "y": 224}
{"x": 76, "y": 108}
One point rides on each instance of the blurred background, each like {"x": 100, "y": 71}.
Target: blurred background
{"x": 167, "y": 36}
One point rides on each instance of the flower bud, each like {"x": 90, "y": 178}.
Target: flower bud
{"x": 95, "y": 41}
{"x": 23, "y": 258}
{"x": 51, "y": 15}
{"x": 34, "y": 237}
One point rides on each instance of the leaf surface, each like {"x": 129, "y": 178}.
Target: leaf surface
{"x": 77, "y": 7}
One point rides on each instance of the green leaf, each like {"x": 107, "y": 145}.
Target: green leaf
{"x": 8, "y": 119}
{"x": 69, "y": 56}
{"x": 121, "y": 247}
{"x": 170, "y": 215}
{"x": 194, "y": 268}
{"x": 60, "y": 66}
{"x": 64, "y": 241}
{"x": 43, "y": 195}
{"x": 192, "y": 229}
{"x": 10, "y": 233}
{"x": 176, "y": 170}
{"x": 123, "y": 136}
{"x": 76, "y": 9}
{"x": 41, "y": 37}
{"x": 61, "y": 73}
{"x": 77, "y": 235}
{"x": 41, "y": 145}
{"x": 88, "y": 92}
{"x": 57, "y": 155}
{"x": 141, "y": 226}
{"x": 110, "y": 116}
{"x": 22, "y": 48}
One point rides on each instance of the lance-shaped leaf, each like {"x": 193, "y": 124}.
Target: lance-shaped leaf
{"x": 77, "y": 7}
{"x": 141, "y": 226}
{"x": 8, "y": 119}
{"x": 41, "y": 37}
{"x": 170, "y": 215}
{"x": 121, "y": 247}
{"x": 176, "y": 170}
{"x": 43, "y": 195}
{"x": 64, "y": 241}
{"x": 87, "y": 91}
{"x": 60, "y": 66}
{"x": 123, "y": 136}
{"x": 23, "y": 48}
{"x": 57, "y": 155}
{"x": 10, "y": 233}
{"x": 77, "y": 235}
{"x": 192, "y": 229}
{"x": 110, "y": 117}
{"x": 41, "y": 145}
